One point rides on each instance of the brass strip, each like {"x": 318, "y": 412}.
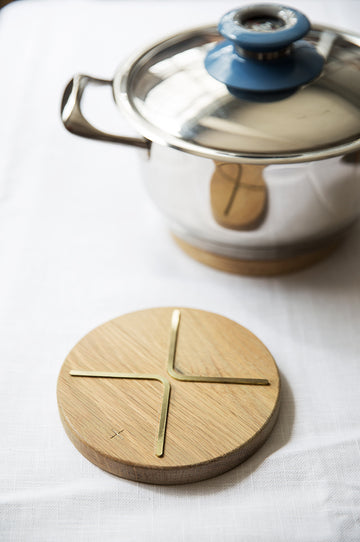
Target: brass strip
{"x": 175, "y": 323}
{"x": 159, "y": 448}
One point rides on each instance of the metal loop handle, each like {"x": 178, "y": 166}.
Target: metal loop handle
{"x": 74, "y": 120}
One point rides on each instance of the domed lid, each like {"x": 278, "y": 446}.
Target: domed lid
{"x": 261, "y": 95}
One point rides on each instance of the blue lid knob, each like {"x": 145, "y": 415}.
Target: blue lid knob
{"x": 264, "y": 27}
{"x": 263, "y": 52}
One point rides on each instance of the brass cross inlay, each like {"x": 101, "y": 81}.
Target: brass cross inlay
{"x": 175, "y": 323}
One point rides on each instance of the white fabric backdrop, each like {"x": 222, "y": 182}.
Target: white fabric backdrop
{"x": 80, "y": 243}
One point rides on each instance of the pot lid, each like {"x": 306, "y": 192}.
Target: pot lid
{"x": 261, "y": 95}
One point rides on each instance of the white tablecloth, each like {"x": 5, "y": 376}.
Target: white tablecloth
{"x": 80, "y": 243}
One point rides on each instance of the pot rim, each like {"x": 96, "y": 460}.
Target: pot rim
{"x": 155, "y": 134}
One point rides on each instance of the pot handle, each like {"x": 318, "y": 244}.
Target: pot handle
{"x": 74, "y": 120}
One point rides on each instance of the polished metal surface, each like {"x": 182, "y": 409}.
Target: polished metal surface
{"x": 171, "y": 99}
{"x": 266, "y": 17}
{"x": 257, "y": 181}
{"x": 74, "y": 120}
{"x": 272, "y": 55}
{"x": 308, "y": 205}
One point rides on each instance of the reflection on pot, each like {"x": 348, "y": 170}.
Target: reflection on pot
{"x": 238, "y": 196}
{"x": 352, "y": 158}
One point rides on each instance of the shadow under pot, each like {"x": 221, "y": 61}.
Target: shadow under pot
{"x": 250, "y": 136}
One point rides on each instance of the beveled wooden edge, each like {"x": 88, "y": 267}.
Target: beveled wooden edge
{"x": 4, "y": 3}
{"x": 183, "y": 474}
{"x": 257, "y": 268}
{"x": 177, "y": 475}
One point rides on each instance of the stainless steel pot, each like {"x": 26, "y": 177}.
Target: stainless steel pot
{"x": 249, "y": 181}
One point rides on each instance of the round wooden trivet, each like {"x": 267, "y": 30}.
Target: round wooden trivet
{"x": 258, "y": 268}
{"x": 211, "y": 425}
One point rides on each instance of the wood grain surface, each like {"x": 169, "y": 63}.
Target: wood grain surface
{"x": 4, "y": 3}
{"x": 258, "y": 268}
{"x": 211, "y": 427}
